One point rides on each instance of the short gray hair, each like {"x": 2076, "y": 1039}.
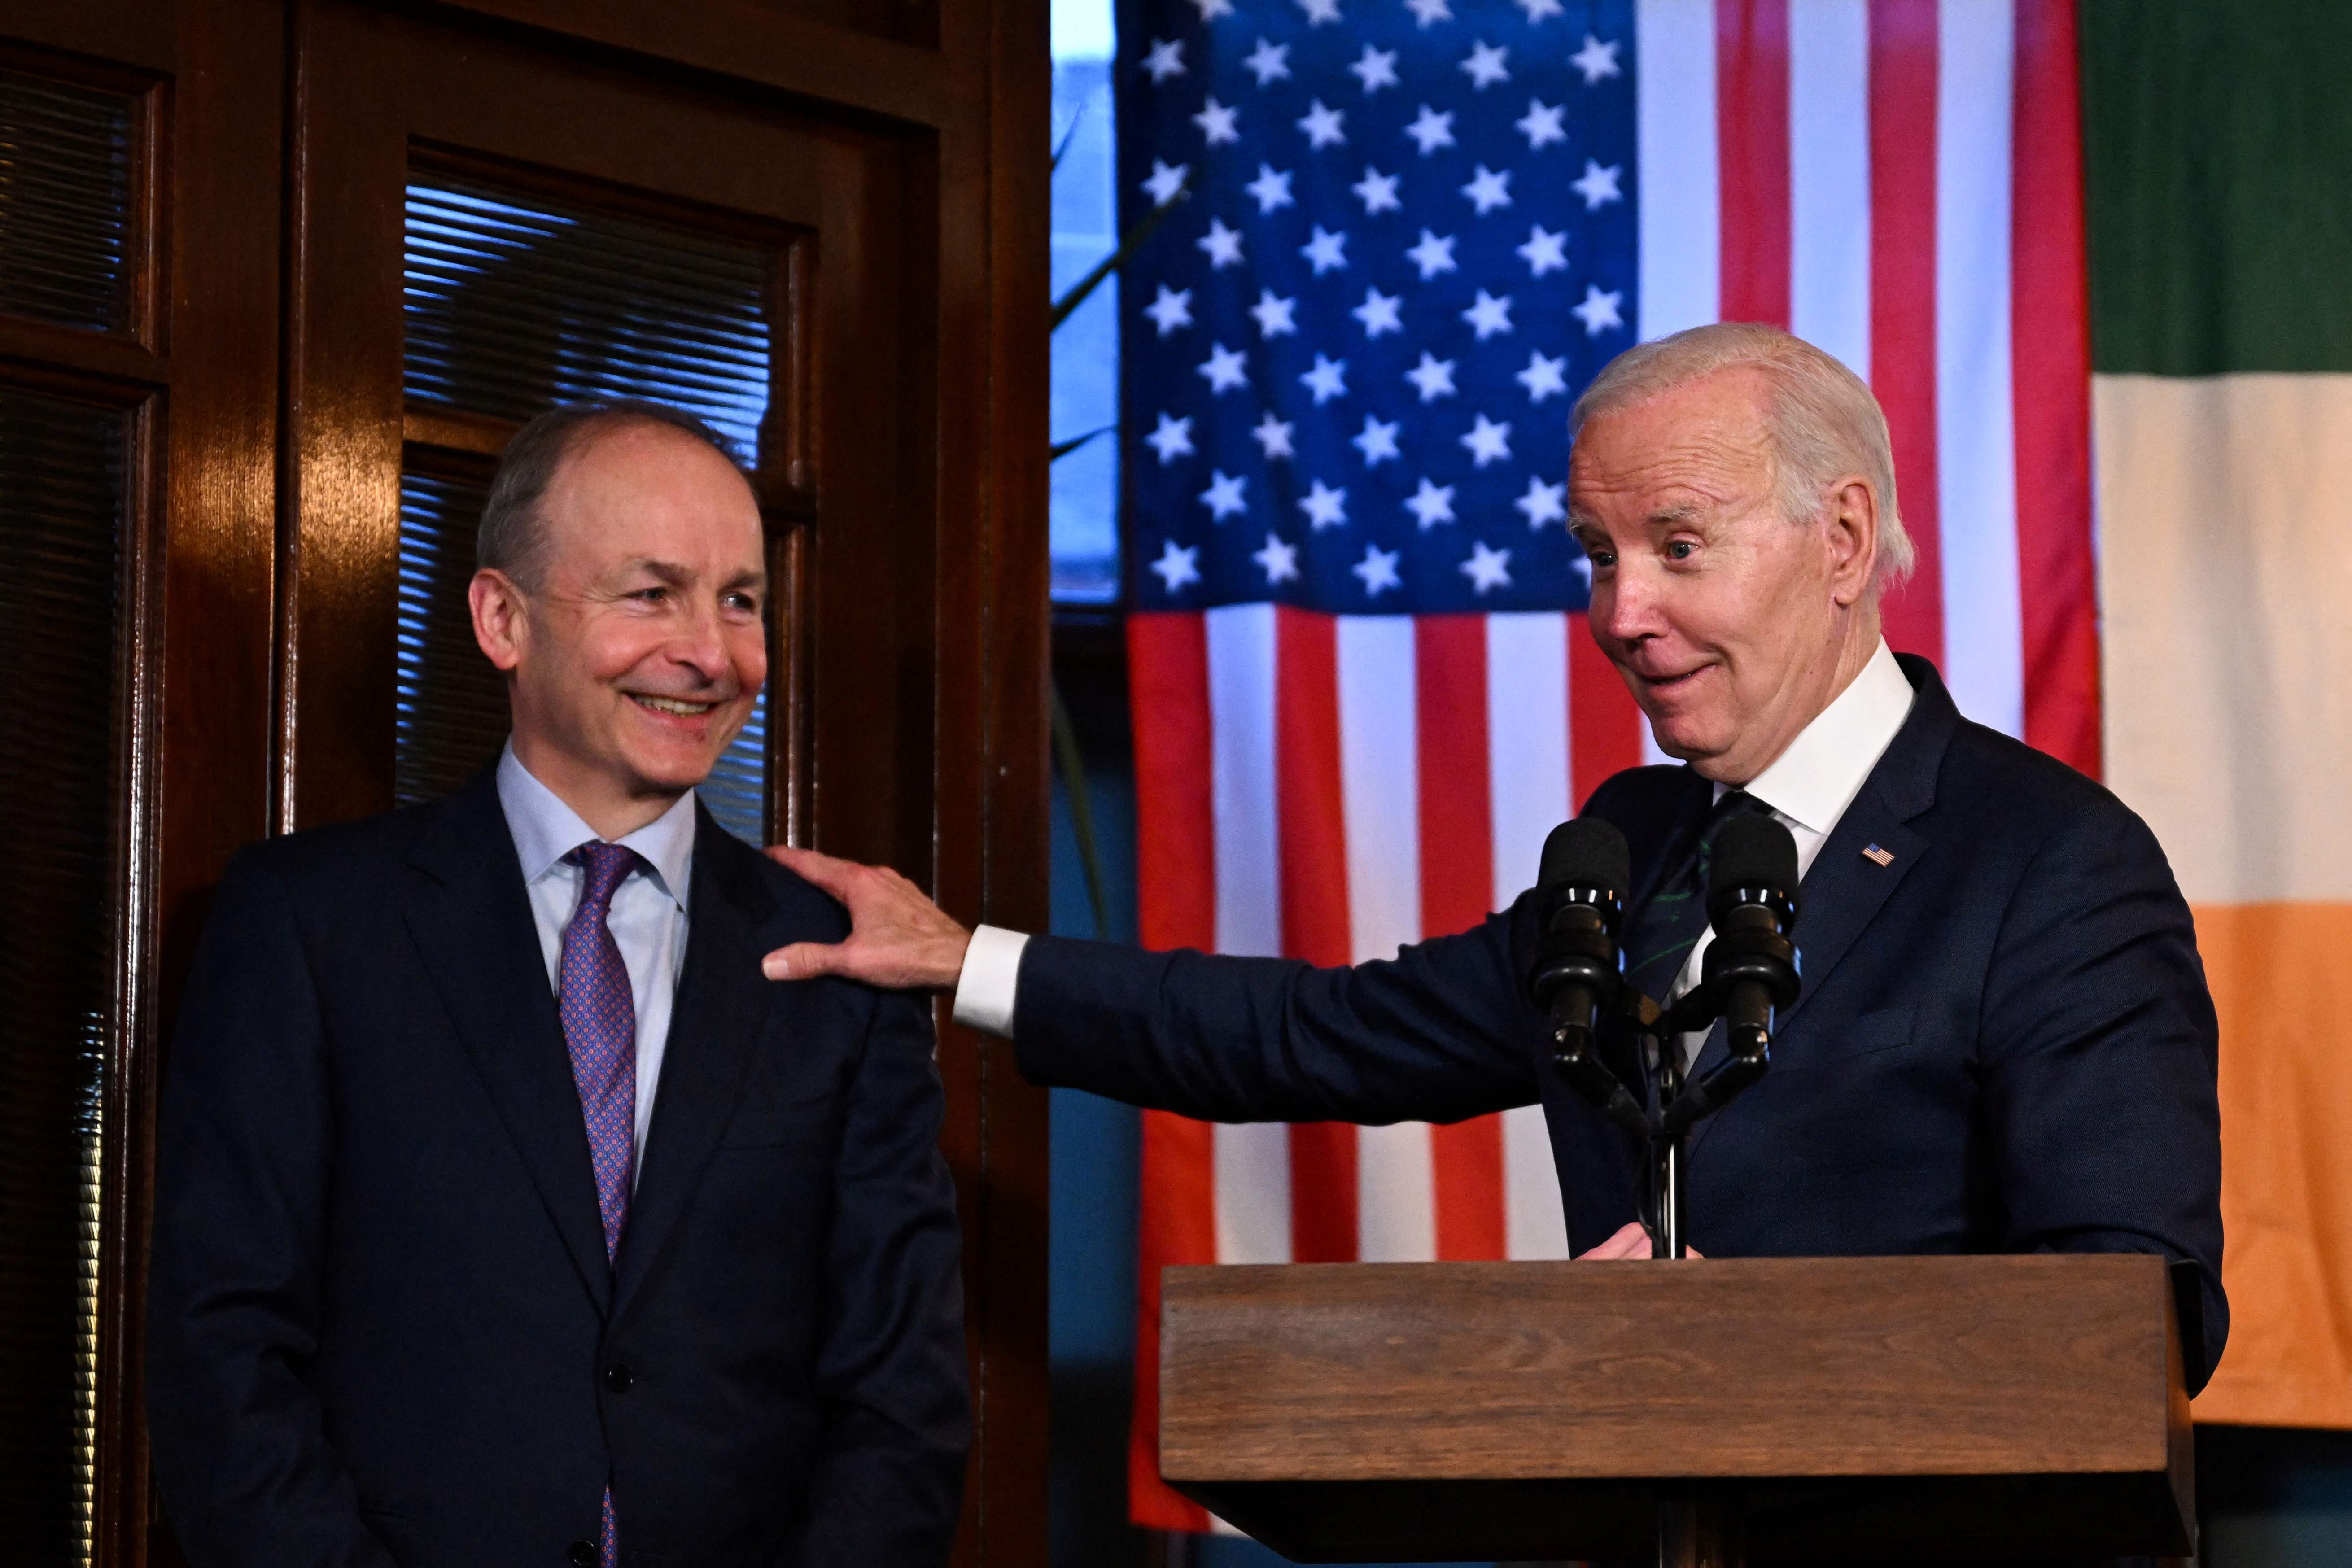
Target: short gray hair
{"x": 513, "y": 533}
{"x": 1823, "y": 423}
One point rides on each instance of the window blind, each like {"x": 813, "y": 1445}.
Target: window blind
{"x": 65, "y": 206}
{"x": 61, "y": 763}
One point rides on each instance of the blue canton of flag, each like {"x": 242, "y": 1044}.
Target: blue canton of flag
{"x": 1403, "y": 241}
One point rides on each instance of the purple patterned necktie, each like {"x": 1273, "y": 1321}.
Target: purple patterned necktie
{"x": 600, "y": 1025}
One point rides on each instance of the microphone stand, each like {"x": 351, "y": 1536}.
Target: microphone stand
{"x": 1660, "y": 1032}
{"x": 1699, "y": 1525}
{"x": 1665, "y": 1051}
{"x": 1674, "y": 1100}
{"x": 1749, "y": 976}
{"x": 1748, "y": 951}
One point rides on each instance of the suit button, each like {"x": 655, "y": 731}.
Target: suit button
{"x": 583, "y": 1553}
{"x": 617, "y": 1377}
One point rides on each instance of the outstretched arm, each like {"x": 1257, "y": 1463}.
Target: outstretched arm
{"x": 1438, "y": 1034}
{"x": 1458, "y": 1060}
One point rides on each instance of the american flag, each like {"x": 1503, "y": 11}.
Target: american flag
{"x": 1404, "y": 234}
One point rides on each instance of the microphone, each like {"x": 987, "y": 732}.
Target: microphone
{"x": 1749, "y": 972}
{"x": 1577, "y": 972}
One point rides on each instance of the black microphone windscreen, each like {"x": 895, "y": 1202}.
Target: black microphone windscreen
{"x": 1586, "y": 853}
{"x": 1751, "y": 852}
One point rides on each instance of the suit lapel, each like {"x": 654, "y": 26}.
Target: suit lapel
{"x": 718, "y": 1015}
{"x": 1844, "y": 890}
{"x": 471, "y": 922}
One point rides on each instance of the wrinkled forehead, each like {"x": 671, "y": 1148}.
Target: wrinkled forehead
{"x": 1684, "y": 450}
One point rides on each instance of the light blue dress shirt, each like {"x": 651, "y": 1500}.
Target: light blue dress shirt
{"x": 648, "y": 913}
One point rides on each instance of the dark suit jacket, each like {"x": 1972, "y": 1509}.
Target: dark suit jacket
{"x": 382, "y": 1328}
{"x": 2005, "y": 1042}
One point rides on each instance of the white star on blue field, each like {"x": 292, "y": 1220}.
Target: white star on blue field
{"x": 1401, "y": 240}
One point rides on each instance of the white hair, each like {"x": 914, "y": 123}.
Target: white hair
{"x": 1823, "y": 425}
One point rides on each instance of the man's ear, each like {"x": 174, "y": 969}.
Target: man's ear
{"x": 1853, "y": 524}
{"x": 501, "y": 618}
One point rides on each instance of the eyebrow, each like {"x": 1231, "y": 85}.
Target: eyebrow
{"x": 671, "y": 572}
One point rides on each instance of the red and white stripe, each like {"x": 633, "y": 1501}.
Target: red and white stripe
{"x": 1895, "y": 180}
{"x": 1900, "y": 183}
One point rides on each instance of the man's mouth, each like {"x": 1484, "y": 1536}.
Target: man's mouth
{"x": 1667, "y": 682}
{"x": 678, "y": 706}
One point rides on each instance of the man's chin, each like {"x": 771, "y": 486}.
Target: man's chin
{"x": 1680, "y": 735}
{"x": 668, "y": 772}
{"x": 674, "y": 755}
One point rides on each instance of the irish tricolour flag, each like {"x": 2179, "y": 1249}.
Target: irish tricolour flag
{"x": 2218, "y": 141}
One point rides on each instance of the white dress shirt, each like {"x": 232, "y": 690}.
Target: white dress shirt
{"x": 647, "y": 918}
{"x": 1808, "y": 786}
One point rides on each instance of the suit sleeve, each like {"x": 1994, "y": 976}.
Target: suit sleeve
{"x": 2100, "y": 1052}
{"x": 891, "y": 1373}
{"x": 1440, "y": 1033}
{"x": 241, "y": 1455}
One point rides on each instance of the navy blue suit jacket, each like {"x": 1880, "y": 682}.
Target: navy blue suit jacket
{"x": 382, "y": 1328}
{"x": 2005, "y": 1042}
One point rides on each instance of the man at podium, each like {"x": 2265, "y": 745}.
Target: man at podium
{"x": 2005, "y": 1041}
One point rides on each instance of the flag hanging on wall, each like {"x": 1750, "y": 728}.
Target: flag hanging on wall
{"x": 1405, "y": 233}
{"x": 2217, "y": 134}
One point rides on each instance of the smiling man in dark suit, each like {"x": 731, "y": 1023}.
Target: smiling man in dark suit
{"x": 2005, "y": 1041}
{"x": 506, "y": 1214}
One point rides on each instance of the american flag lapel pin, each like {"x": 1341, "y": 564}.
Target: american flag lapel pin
{"x": 1878, "y": 856}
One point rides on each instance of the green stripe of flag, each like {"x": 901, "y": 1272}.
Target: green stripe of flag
{"x": 2218, "y": 154}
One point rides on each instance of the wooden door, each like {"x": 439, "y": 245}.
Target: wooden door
{"x": 138, "y": 396}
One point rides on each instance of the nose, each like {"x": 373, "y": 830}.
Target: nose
{"x": 700, "y": 643}
{"x": 1625, "y": 608}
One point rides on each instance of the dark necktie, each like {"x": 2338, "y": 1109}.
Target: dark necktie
{"x": 600, "y": 1027}
{"x": 1664, "y": 931}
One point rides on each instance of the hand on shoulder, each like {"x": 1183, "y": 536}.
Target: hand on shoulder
{"x": 899, "y": 939}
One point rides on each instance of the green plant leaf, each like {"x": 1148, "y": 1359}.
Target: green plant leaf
{"x": 1064, "y": 448}
{"x": 1136, "y": 236}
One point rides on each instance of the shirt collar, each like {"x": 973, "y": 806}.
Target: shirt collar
{"x": 1816, "y": 778}
{"x": 545, "y": 830}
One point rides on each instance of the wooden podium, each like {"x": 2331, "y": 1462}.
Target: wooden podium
{"x": 1702, "y": 1411}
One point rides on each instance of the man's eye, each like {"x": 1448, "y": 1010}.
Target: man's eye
{"x": 1680, "y": 549}
{"x": 651, "y": 595}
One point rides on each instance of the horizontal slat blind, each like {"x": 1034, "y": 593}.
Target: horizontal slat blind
{"x": 65, "y": 204}
{"x": 61, "y": 531}
{"x": 514, "y": 304}
{"x": 452, "y": 703}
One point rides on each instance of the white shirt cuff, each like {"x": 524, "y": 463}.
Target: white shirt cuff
{"x": 991, "y": 974}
